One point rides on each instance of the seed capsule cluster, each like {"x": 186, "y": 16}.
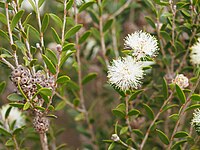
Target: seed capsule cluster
{"x": 28, "y": 82}
{"x": 41, "y": 124}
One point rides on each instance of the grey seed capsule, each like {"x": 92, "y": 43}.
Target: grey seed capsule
{"x": 24, "y": 80}
{"x": 25, "y": 74}
{"x": 38, "y": 80}
{"x": 16, "y": 73}
{"x": 17, "y": 79}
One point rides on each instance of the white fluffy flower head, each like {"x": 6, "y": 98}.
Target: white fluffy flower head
{"x": 125, "y": 73}
{"x": 15, "y": 115}
{"x": 143, "y": 44}
{"x": 196, "y": 120}
{"x": 195, "y": 53}
{"x": 181, "y": 81}
{"x": 115, "y": 137}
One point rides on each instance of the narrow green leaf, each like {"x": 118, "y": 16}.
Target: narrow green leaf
{"x": 133, "y": 112}
{"x": 84, "y": 37}
{"x": 15, "y": 97}
{"x": 45, "y": 23}
{"x": 107, "y": 25}
{"x": 7, "y": 112}
{"x": 72, "y": 85}
{"x": 21, "y": 91}
{"x": 85, "y": 6}
{"x": 3, "y": 18}
{"x": 40, "y": 3}
{"x": 16, "y": 19}
{"x": 112, "y": 146}
{"x": 45, "y": 91}
{"x": 26, "y": 106}
{"x": 9, "y": 143}
{"x": 72, "y": 31}
{"x": 27, "y": 19}
{"x": 149, "y": 111}
{"x": 165, "y": 88}
{"x": 123, "y": 130}
{"x": 4, "y": 35}
{"x": 2, "y": 86}
{"x": 18, "y": 105}
{"x": 60, "y": 105}
{"x": 68, "y": 46}
{"x": 55, "y": 36}
{"x": 4, "y": 132}
{"x": 65, "y": 56}
{"x": 177, "y": 144}
{"x": 135, "y": 94}
{"x": 138, "y": 133}
{"x": 195, "y": 97}
{"x": 119, "y": 91}
{"x": 63, "y": 79}
{"x": 49, "y": 64}
{"x": 32, "y": 31}
{"x": 32, "y": 4}
{"x": 69, "y": 4}
{"x": 162, "y": 137}
{"x": 165, "y": 35}
{"x": 56, "y": 19}
{"x": 181, "y": 134}
{"x": 52, "y": 56}
{"x": 89, "y": 77}
{"x": 194, "y": 106}
{"x": 150, "y": 21}
{"x": 181, "y": 95}
{"x": 40, "y": 108}
{"x": 119, "y": 111}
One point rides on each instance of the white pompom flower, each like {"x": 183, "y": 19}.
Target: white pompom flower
{"x": 142, "y": 44}
{"x": 125, "y": 73}
{"x": 196, "y": 120}
{"x": 15, "y": 116}
{"x": 195, "y": 53}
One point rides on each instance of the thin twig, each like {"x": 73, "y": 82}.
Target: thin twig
{"x": 64, "y": 22}
{"x": 44, "y": 142}
{"x": 154, "y": 120}
{"x": 182, "y": 113}
{"x": 7, "y": 63}
{"x": 15, "y": 142}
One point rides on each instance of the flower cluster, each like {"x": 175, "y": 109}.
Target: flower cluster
{"x": 28, "y": 82}
{"x": 195, "y": 53}
{"x": 14, "y": 120}
{"x": 181, "y": 81}
{"x": 196, "y": 120}
{"x": 126, "y": 73}
{"x": 142, "y": 44}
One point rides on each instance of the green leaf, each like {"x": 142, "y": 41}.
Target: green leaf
{"x": 181, "y": 95}
{"x": 40, "y": 2}
{"x": 89, "y": 77}
{"x": 55, "y": 36}
{"x": 123, "y": 130}
{"x": 9, "y": 143}
{"x": 174, "y": 117}
{"x": 56, "y": 19}
{"x": 18, "y": 105}
{"x": 32, "y": 4}
{"x": 4, "y": 35}
{"x": 194, "y": 97}
{"x": 27, "y": 19}
{"x": 72, "y": 85}
{"x": 150, "y": 21}
{"x": 138, "y": 133}
{"x": 26, "y": 106}
{"x": 7, "y": 112}
{"x": 149, "y": 111}
{"x": 2, "y": 86}
{"x": 4, "y": 132}
{"x": 63, "y": 79}
{"x": 69, "y": 4}
{"x": 84, "y": 37}
{"x": 119, "y": 91}
{"x": 133, "y": 112}
{"x": 65, "y": 56}
{"x": 169, "y": 107}
{"x": 85, "y": 6}
{"x": 112, "y": 146}
{"x": 165, "y": 88}
{"x": 21, "y": 91}
{"x": 135, "y": 94}
{"x": 107, "y": 25}
{"x": 194, "y": 106}
{"x": 40, "y": 108}
{"x": 119, "y": 111}
{"x": 3, "y": 18}
{"x": 181, "y": 134}
{"x": 45, "y": 23}
{"x": 15, "y": 97}
{"x": 162, "y": 137}
{"x": 16, "y": 19}
{"x": 49, "y": 64}
{"x": 177, "y": 144}
{"x": 32, "y": 31}
{"x": 60, "y": 105}
{"x": 72, "y": 31}
{"x": 52, "y": 56}
{"x": 45, "y": 91}
{"x": 165, "y": 35}
{"x": 68, "y": 46}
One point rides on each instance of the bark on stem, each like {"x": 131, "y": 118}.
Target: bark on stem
{"x": 43, "y": 140}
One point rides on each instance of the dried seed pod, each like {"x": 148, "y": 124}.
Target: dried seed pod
{"x": 41, "y": 124}
{"x": 17, "y": 79}
{"x": 16, "y": 73}
{"x": 25, "y": 74}
{"x": 24, "y": 80}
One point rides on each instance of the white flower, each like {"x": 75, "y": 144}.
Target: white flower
{"x": 115, "y": 137}
{"x": 142, "y": 44}
{"x": 196, "y": 120}
{"x": 15, "y": 115}
{"x": 195, "y": 53}
{"x": 125, "y": 73}
{"x": 79, "y": 2}
{"x": 181, "y": 81}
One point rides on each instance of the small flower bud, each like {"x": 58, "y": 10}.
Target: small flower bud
{"x": 37, "y": 45}
{"x": 115, "y": 137}
{"x": 181, "y": 81}
{"x": 59, "y": 48}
